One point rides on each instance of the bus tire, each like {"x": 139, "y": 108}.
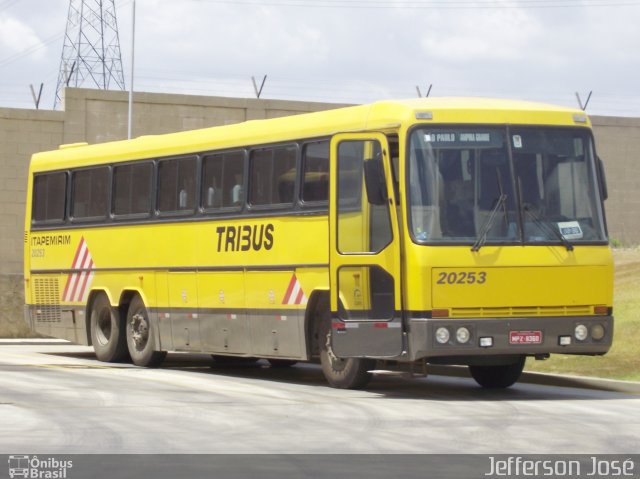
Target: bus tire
{"x": 342, "y": 373}
{"x": 107, "y": 331}
{"x": 140, "y": 339}
{"x": 498, "y": 377}
{"x": 282, "y": 363}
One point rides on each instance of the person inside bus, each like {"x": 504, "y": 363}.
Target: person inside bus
{"x": 236, "y": 192}
{"x": 186, "y": 194}
{"x": 458, "y": 207}
{"x": 213, "y": 196}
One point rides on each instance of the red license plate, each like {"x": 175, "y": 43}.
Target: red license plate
{"x": 525, "y": 337}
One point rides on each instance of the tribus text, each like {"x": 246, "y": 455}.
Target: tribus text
{"x": 245, "y": 238}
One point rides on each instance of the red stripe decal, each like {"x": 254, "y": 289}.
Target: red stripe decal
{"x": 75, "y": 258}
{"x": 73, "y": 266}
{"x": 66, "y": 288}
{"x": 287, "y": 295}
{"x": 84, "y": 283}
{"x": 299, "y": 297}
{"x": 75, "y": 285}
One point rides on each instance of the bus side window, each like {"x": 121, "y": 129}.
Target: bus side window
{"x": 394, "y": 154}
{"x": 49, "y": 193}
{"x": 315, "y": 172}
{"x": 272, "y": 176}
{"x": 176, "y": 185}
{"x": 132, "y": 189}
{"x": 90, "y": 193}
{"x": 222, "y": 180}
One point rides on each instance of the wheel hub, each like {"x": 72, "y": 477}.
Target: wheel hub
{"x": 337, "y": 363}
{"x": 139, "y": 330}
{"x": 104, "y": 328}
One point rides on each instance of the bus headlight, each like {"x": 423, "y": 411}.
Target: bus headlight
{"x": 463, "y": 335}
{"x": 442, "y": 335}
{"x": 597, "y": 332}
{"x": 581, "y": 332}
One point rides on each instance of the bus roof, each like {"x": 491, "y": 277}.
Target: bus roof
{"x": 383, "y": 115}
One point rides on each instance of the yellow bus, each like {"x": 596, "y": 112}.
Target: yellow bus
{"x": 391, "y": 235}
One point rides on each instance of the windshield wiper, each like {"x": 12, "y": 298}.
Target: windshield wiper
{"x": 486, "y": 226}
{"x": 544, "y": 226}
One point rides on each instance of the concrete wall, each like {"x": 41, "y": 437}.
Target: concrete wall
{"x": 95, "y": 116}
{"x": 22, "y": 133}
{"x": 99, "y": 116}
{"x": 618, "y": 144}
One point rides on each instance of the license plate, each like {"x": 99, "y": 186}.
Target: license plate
{"x": 525, "y": 337}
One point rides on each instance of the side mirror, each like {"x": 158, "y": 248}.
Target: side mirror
{"x": 374, "y": 181}
{"x": 602, "y": 179}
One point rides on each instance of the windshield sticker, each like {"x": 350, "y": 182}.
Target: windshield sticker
{"x": 570, "y": 230}
{"x": 475, "y": 137}
{"x": 465, "y": 139}
{"x": 440, "y": 137}
{"x": 517, "y": 141}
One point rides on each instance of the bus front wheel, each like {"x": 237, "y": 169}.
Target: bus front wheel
{"x": 343, "y": 373}
{"x": 498, "y": 377}
{"x": 140, "y": 340}
{"x": 107, "y": 331}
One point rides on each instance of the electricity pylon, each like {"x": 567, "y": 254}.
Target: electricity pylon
{"x": 91, "y": 50}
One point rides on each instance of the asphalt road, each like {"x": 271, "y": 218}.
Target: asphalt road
{"x": 57, "y": 398}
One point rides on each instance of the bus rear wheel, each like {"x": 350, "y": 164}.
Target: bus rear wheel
{"x": 498, "y": 377}
{"x": 342, "y": 373}
{"x": 107, "y": 331}
{"x": 140, "y": 336}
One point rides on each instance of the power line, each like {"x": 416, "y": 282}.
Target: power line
{"x": 32, "y": 49}
{"x": 7, "y": 4}
{"x": 429, "y": 4}
{"x": 41, "y": 44}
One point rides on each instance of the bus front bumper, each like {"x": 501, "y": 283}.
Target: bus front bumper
{"x": 462, "y": 337}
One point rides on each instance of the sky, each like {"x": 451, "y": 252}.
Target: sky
{"x": 348, "y": 51}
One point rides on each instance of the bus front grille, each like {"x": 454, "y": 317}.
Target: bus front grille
{"x": 521, "y": 311}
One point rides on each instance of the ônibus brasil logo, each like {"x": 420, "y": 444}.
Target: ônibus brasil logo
{"x": 37, "y": 468}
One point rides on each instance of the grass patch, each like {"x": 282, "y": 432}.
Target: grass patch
{"x": 623, "y": 360}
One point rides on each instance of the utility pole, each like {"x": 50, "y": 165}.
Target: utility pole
{"x": 255, "y": 86}
{"x": 420, "y": 93}
{"x": 583, "y": 107}
{"x": 133, "y": 49}
{"x": 36, "y": 98}
{"x": 91, "y": 51}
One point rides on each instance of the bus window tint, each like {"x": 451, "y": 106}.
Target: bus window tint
{"x": 350, "y": 173}
{"x": 222, "y": 180}
{"x": 132, "y": 189}
{"x": 177, "y": 185}
{"x": 90, "y": 193}
{"x": 272, "y": 176}
{"x": 555, "y": 171}
{"x": 49, "y": 192}
{"x": 315, "y": 167}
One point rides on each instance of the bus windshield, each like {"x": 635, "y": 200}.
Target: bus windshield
{"x": 527, "y": 185}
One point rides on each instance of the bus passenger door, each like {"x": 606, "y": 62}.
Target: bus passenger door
{"x": 364, "y": 251}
